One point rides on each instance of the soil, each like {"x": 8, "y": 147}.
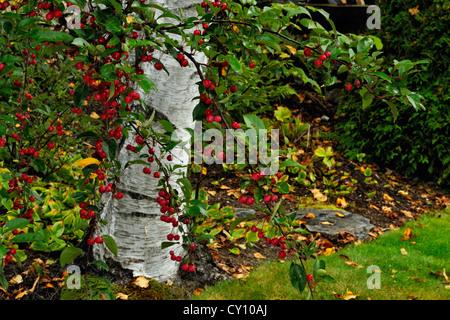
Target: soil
{"x": 394, "y": 199}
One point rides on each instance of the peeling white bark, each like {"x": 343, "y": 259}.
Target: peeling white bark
{"x": 134, "y": 221}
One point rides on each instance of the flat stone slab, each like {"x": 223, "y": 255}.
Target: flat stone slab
{"x": 329, "y": 222}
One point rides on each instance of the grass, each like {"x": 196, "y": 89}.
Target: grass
{"x": 410, "y": 269}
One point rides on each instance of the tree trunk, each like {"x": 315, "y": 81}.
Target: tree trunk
{"x": 134, "y": 221}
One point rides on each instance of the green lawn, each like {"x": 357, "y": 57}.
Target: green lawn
{"x": 409, "y": 269}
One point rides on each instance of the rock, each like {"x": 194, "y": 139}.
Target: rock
{"x": 243, "y": 212}
{"x": 329, "y": 222}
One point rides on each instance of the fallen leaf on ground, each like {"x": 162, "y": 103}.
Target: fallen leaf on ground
{"x": 327, "y": 223}
{"x": 319, "y": 195}
{"x": 198, "y": 291}
{"x": 407, "y": 214}
{"x": 386, "y": 209}
{"x": 403, "y": 251}
{"x": 418, "y": 279}
{"x": 121, "y": 296}
{"x": 258, "y": 255}
{"x": 340, "y": 215}
{"x": 353, "y": 264}
{"x": 288, "y": 196}
{"x": 344, "y": 257}
{"x": 141, "y": 282}
{"x": 340, "y": 202}
{"x": 407, "y": 234}
{"x": 20, "y": 295}
{"x": 387, "y": 197}
{"x": 346, "y": 296}
{"x": 16, "y": 280}
{"x": 329, "y": 251}
{"x": 309, "y": 216}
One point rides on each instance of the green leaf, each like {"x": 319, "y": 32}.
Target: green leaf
{"x": 368, "y": 172}
{"x": 251, "y": 237}
{"x": 318, "y": 264}
{"x": 268, "y": 40}
{"x": 116, "y": 6}
{"x": 186, "y": 187}
{"x": 110, "y": 148}
{"x": 234, "y": 63}
{"x": 81, "y": 93}
{"x": 16, "y": 223}
{"x": 89, "y": 169}
{"x": 298, "y": 10}
{"x": 101, "y": 264}
{"x": 298, "y": 276}
{"x": 52, "y": 36}
{"x": 113, "y": 24}
{"x": 3, "y": 281}
{"x": 414, "y": 99}
{"x": 108, "y": 72}
{"x": 79, "y": 196}
{"x": 254, "y": 122}
{"x": 291, "y": 163}
{"x": 110, "y": 244}
{"x": 2, "y": 250}
{"x": 26, "y": 237}
{"x": 166, "y": 244}
{"x": 382, "y": 75}
{"x": 394, "y": 110}
{"x": 68, "y": 255}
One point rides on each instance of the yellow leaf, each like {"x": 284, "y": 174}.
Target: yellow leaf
{"x": 236, "y": 29}
{"x": 403, "y": 251}
{"x": 346, "y": 296}
{"x": 284, "y": 55}
{"x": 407, "y": 234}
{"x": 326, "y": 223}
{"x": 340, "y": 215}
{"x": 387, "y": 197}
{"x": 141, "y": 282}
{"x": 204, "y": 170}
{"x": 309, "y": 216}
{"x": 341, "y": 202}
{"x": 94, "y": 115}
{"x": 20, "y": 295}
{"x": 198, "y": 291}
{"x": 329, "y": 251}
{"x": 17, "y": 279}
{"x": 130, "y": 19}
{"x": 85, "y": 162}
{"x": 414, "y": 10}
{"x": 258, "y": 255}
{"x": 319, "y": 195}
{"x": 291, "y": 49}
{"x": 353, "y": 264}
{"x": 121, "y": 296}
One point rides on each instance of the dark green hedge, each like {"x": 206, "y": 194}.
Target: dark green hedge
{"x": 418, "y": 143}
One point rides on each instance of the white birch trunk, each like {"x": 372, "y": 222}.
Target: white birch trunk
{"x": 134, "y": 221}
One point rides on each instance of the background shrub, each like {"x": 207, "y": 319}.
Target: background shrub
{"x": 416, "y": 143}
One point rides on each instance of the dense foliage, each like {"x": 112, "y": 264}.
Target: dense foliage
{"x": 68, "y": 87}
{"x": 416, "y": 144}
